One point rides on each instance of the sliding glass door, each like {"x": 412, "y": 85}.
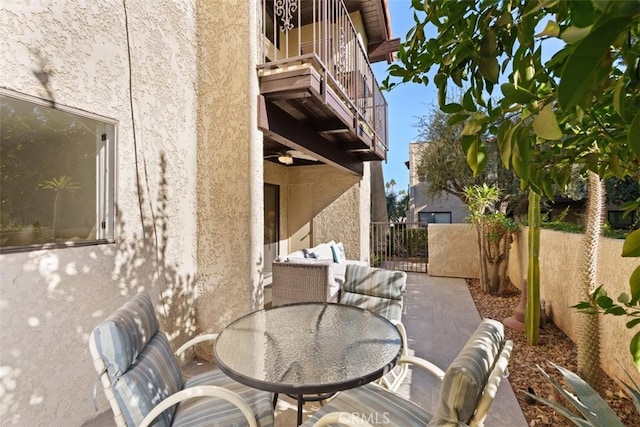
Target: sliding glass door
{"x": 271, "y": 225}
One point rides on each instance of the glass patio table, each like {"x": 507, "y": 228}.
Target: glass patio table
{"x": 308, "y": 348}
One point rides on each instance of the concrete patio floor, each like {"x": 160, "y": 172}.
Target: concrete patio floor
{"x": 440, "y": 317}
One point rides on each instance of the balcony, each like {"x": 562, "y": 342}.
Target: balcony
{"x": 319, "y": 95}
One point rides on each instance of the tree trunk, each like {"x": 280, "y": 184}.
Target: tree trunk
{"x": 589, "y": 336}
{"x": 504, "y": 263}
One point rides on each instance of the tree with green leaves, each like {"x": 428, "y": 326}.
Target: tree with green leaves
{"x": 443, "y": 166}
{"x": 397, "y": 203}
{"x": 578, "y": 106}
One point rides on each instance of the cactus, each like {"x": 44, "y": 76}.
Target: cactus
{"x": 589, "y": 330}
{"x": 532, "y": 318}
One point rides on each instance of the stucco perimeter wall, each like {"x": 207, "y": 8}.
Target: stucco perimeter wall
{"x": 560, "y": 284}
{"x": 337, "y": 203}
{"x": 50, "y": 300}
{"x": 453, "y": 251}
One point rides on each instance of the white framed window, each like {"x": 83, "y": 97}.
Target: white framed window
{"x": 57, "y": 175}
{"x": 435, "y": 217}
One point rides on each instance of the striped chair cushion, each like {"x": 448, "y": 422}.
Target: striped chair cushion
{"x": 465, "y": 379}
{"x": 388, "y": 308}
{"x": 375, "y": 282}
{"x": 120, "y": 338}
{"x": 375, "y": 289}
{"x": 210, "y": 411}
{"x": 376, "y": 405}
{"x": 154, "y": 376}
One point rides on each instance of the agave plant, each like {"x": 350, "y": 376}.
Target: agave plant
{"x": 593, "y": 410}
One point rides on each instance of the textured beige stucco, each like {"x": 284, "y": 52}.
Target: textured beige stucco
{"x": 336, "y": 206}
{"x": 50, "y": 300}
{"x": 453, "y": 251}
{"x": 189, "y": 186}
{"x": 230, "y": 165}
{"x": 340, "y": 206}
{"x": 560, "y": 284}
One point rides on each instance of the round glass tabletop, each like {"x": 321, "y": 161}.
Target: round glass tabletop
{"x": 308, "y": 348}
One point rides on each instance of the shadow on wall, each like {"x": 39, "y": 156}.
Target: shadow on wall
{"x": 176, "y": 308}
{"x": 52, "y": 295}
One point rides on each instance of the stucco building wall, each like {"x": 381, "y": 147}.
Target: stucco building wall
{"x": 50, "y": 300}
{"x": 189, "y": 186}
{"x": 230, "y": 165}
{"x": 418, "y": 200}
{"x": 336, "y": 210}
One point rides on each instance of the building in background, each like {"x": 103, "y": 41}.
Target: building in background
{"x": 444, "y": 209}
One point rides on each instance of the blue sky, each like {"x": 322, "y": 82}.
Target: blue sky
{"x": 406, "y": 102}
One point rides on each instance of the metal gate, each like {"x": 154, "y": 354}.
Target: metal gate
{"x": 399, "y": 246}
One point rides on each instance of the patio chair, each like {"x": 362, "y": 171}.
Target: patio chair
{"x": 467, "y": 389}
{"x": 381, "y": 291}
{"x": 142, "y": 380}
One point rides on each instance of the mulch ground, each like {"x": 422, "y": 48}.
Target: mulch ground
{"x": 555, "y": 347}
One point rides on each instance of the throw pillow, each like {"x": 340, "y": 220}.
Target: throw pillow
{"x": 341, "y": 253}
{"x": 338, "y": 252}
{"x": 310, "y": 253}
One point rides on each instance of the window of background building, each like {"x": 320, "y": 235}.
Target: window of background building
{"x": 435, "y": 217}
{"x": 57, "y": 170}
{"x": 617, "y": 219}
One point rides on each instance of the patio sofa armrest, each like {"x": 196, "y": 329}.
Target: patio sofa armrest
{"x": 303, "y": 280}
{"x": 201, "y": 391}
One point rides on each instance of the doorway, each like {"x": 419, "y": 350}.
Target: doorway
{"x": 271, "y": 225}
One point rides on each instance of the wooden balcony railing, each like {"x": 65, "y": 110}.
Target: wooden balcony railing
{"x": 321, "y": 33}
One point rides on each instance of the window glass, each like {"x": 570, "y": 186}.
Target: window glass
{"x": 617, "y": 219}
{"x": 435, "y": 217}
{"x": 56, "y": 175}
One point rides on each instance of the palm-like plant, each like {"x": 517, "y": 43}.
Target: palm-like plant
{"x": 493, "y": 235}
{"x": 60, "y": 185}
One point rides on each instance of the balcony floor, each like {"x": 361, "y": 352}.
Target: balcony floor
{"x": 440, "y": 318}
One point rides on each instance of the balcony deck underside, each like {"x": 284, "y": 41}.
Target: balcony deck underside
{"x": 309, "y": 100}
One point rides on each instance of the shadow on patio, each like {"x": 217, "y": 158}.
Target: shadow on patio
{"x": 440, "y": 317}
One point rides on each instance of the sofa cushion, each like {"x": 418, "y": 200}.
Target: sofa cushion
{"x": 324, "y": 250}
{"x": 296, "y": 254}
{"x": 310, "y": 253}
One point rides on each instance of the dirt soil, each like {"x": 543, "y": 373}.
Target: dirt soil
{"x": 556, "y": 347}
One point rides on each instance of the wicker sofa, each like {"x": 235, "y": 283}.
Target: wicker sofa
{"x": 313, "y": 274}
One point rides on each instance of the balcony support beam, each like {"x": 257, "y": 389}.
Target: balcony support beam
{"x": 286, "y": 130}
